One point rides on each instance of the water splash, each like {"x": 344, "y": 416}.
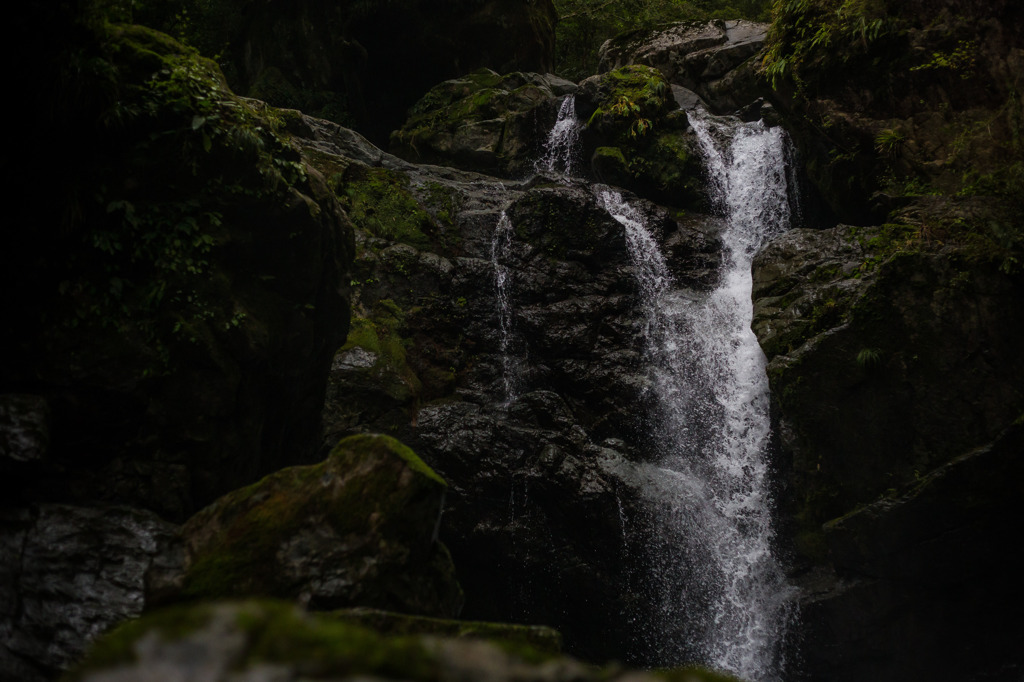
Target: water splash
{"x": 511, "y": 363}
{"x": 717, "y": 592}
{"x": 561, "y": 150}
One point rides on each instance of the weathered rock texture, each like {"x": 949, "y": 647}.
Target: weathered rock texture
{"x": 540, "y": 484}
{"x": 68, "y": 574}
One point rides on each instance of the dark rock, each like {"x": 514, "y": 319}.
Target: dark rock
{"x": 896, "y": 396}
{"x": 358, "y": 529}
{"x": 68, "y": 574}
{"x": 910, "y": 563}
{"x": 426, "y": 360}
{"x": 636, "y": 139}
{"x": 24, "y": 427}
{"x": 884, "y": 360}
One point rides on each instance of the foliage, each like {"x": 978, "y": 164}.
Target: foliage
{"x": 810, "y": 38}
{"x": 144, "y": 226}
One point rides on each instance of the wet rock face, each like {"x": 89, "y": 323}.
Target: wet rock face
{"x": 541, "y": 481}
{"x": 68, "y": 574}
{"x": 883, "y": 366}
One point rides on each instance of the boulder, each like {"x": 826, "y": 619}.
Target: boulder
{"x": 706, "y": 58}
{"x": 68, "y": 574}
{"x": 261, "y": 640}
{"x": 636, "y": 138}
{"x": 483, "y": 121}
{"x": 358, "y": 529}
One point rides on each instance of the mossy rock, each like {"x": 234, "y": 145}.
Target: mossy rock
{"x": 622, "y": 104}
{"x": 358, "y": 529}
{"x": 262, "y": 638}
{"x": 482, "y": 121}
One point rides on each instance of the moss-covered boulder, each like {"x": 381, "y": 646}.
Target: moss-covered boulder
{"x": 636, "y": 138}
{"x": 482, "y": 121}
{"x": 272, "y": 640}
{"x": 358, "y": 529}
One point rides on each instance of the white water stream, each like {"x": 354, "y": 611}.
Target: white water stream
{"x": 501, "y": 242}
{"x": 717, "y": 590}
{"x": 561, "y": 150}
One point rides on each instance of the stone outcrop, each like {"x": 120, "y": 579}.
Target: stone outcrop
{"x": 427, "y": 360}
{"x": 896, "y": 392}
{"x": 636, "y": 138}
{"x": 68, "y": 574}
{"x": 483, "y": 121}
{"x": 714, "y": 60}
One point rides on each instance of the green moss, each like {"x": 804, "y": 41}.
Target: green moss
{"x": 527, "y": 642}
{"x": 324, "y": 646}
{"x": 379, "y": 201}
{"x": 381, "y": 334}
{"x": 389, "y": 445}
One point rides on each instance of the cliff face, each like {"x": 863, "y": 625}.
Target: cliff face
{"x": 893, "y": 361}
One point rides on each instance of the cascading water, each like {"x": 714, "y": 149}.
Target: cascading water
{"x": 501, "y": 242}
{"x": 561, "y": 147}
{"x": 717, "y": 592}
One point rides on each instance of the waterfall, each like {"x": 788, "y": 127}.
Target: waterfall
{"x": 561, "y": 147}
{"x": 501, "y": 243}
{"x": 716, "y": 591}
